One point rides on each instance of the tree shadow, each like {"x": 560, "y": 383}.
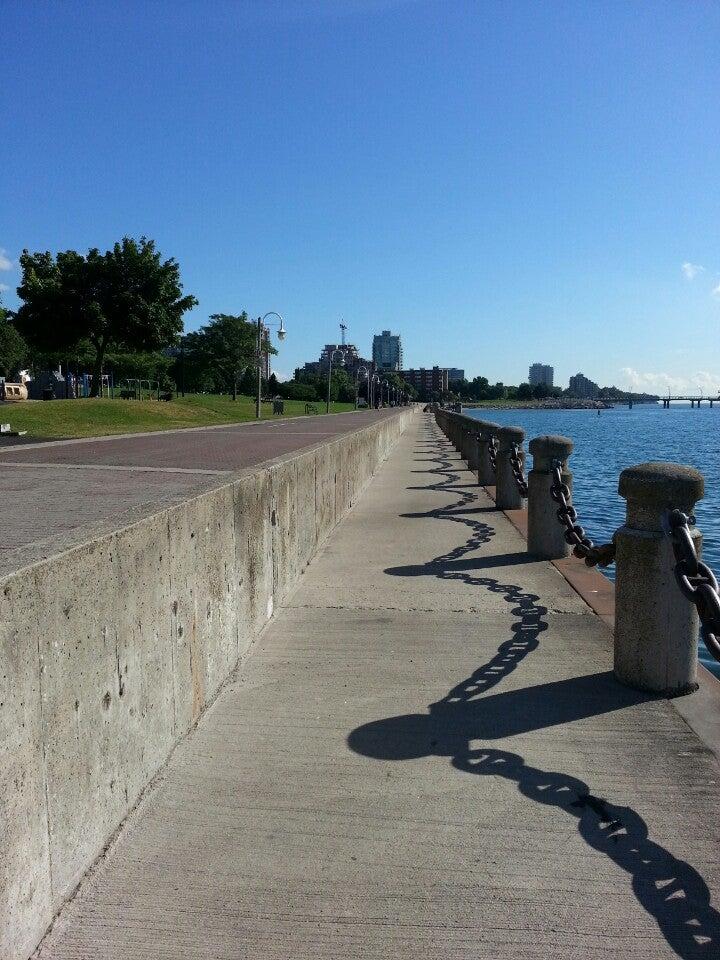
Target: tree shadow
{"x": 669, "y": 889}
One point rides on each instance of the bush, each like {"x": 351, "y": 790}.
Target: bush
{"x": 297, "y": 391}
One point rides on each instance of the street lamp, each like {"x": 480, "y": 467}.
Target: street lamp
{"x": 282, "y": 333}
{"x": 364, "y": 369}
{"x": 342, "y": 361}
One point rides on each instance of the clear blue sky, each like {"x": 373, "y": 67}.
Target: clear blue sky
{"x": 498, "y": 182}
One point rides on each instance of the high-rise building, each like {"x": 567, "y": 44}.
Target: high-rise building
{"x": 581, "y": 386}
{"x": 455, "y": 373}
{"x": 427, "y": 381}
{"x": 266, "y": 365}
{"x": 541, "y": 373}
{"x": 351, "y": 360}
{"x": 387, "y": 351}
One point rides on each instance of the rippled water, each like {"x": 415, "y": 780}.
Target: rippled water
{"x": 607, "y": 443}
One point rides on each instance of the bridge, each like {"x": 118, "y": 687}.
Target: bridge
{"x": 333, "y": 706}
{"x": 692, "y": 399}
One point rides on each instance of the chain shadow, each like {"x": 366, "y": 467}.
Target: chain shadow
{"x": 669, "y": 889}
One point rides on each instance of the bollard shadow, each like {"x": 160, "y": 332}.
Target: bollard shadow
{"x": 669, "y": 889}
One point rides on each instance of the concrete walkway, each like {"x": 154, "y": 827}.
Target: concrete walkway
{"x": 424, "y": 756}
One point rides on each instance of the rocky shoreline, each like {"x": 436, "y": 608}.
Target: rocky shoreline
{"x": 549, "y": 403}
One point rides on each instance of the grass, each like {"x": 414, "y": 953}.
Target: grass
{"x": 58, "y": 419}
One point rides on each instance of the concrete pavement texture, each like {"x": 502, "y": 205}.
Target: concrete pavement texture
{"x": 426, "y": 755}
{"x": 56, "y": 494}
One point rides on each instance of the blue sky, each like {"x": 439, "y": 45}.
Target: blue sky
{"x": 498, "y": 182}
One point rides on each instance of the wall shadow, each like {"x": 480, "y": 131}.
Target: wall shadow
{"x": 669, "y": 889}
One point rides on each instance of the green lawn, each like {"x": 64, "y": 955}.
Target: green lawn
{"x": 92, "y": 418}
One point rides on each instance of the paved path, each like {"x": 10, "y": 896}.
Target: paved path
{"x": 54, "y": 494}
{"x": 426, "y": 755}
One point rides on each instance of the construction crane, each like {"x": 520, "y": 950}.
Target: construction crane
{"x": 343, "y": 328}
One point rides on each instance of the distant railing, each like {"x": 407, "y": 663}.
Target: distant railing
{"x": 664, "y": 594}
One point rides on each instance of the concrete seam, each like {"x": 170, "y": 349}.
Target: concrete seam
{"x": 172, "y": 637}
{"x": 45, "y": 771}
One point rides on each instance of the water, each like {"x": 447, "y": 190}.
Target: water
{"x": 619, "y": 438}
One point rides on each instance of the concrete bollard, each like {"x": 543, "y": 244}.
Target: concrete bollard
{"x": 486, "y": 474}
{"x": 546, "y": 536}
{"x": 472, "y": 447}
{"x": 507, "y": 495}
{"x": 656, "y": 628}
{"x": 462, "y": 447}
{"x": 459, "y": 439}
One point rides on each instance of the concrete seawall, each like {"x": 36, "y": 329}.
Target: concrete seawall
{"x": 112, "y": 651}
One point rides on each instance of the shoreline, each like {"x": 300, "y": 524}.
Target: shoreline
{"x": 550, "y": 403}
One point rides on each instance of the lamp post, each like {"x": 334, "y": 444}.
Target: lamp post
{"x": 364, "y": 369}
{"x": 342, "y": 361}
{"x": 282, "y": 333}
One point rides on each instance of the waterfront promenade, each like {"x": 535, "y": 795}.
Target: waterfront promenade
{"x": 59, "y": 493}
{"x": 425, "y": 754}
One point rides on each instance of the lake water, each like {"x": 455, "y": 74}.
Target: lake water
{"x": 619, "y": 438}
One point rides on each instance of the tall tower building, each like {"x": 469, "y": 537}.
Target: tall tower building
{"x": 387, "y": 351}
{"x": 541, "y": 373}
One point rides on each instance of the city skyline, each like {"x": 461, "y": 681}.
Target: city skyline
{"x": 534, "y": 190}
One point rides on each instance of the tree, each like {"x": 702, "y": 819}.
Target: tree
{"x": 524, "y": 392}
{"x": 13, "y": 349}
{"x": 223, "y": 352}
{"x": 127, "y": 298}
{"x": 293, "y": 390}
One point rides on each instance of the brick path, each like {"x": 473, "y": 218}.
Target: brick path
{"x": 55, "y": 494}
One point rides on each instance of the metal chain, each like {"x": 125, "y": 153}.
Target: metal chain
{"x": 492, "y": 453}
{"x": 582, "y": 545}
{"x": 696, "y": 580}
{"x": 517, "y": 469}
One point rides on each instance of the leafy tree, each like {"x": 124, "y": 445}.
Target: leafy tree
{"x": 292, "y": 390}
{"x": 394, "y": 378}
{"x": 13, "y": 349}
{"x": 127, "y": 298}
{"x": 524, "y": 392}
{"x": 153, "y": 365}
{"x": 224, "y": 351}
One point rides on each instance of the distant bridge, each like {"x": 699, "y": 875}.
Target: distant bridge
{"x": 693, "y": 400}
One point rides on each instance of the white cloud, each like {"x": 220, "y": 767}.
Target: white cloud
{"x": 281, "y": 377}
{"x": 5, "y": 261}
{"x": 716, "y": 291}
{"x": 3, "y": 287}
{"x": 649, "y": 382}
{"x": 691, "y": 270}
{"x": 707, "y": 382}
{"x": 660, "y": 383}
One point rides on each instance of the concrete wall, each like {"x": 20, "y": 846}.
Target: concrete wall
{"x": 110, "y": 652}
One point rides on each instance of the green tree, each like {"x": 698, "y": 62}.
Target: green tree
{"x": 396, "y": 380}
{"x": 223, "y": 352}
{"x": 13, "y": 349}
{"x": 127, "y": 299}
{"x": 524, "y": 392}
{"x": 293, "y": 390}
